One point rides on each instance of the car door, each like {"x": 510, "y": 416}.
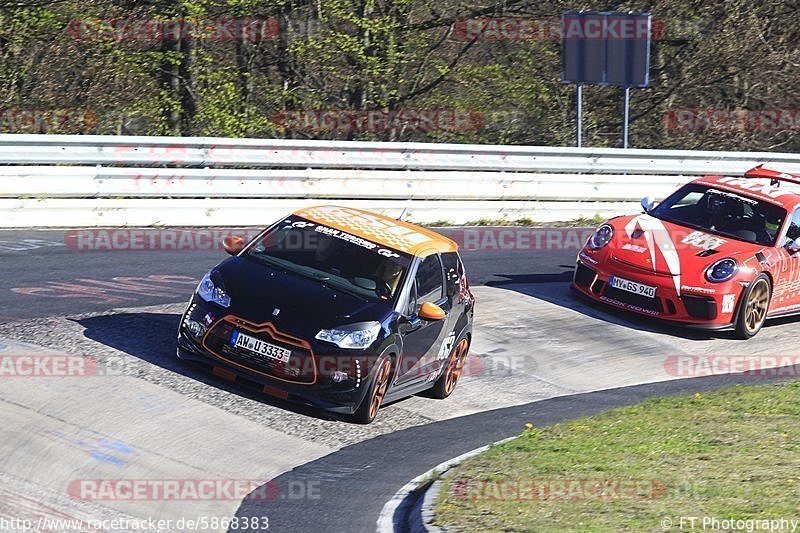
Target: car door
{"x": 454, "y": 306}
{"x": 422, "y": 339}
{"x": 786, "y": 277}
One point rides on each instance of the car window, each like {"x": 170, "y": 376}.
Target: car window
{"x": 723, "y": 213}
{"x": 428, "y": 285}
{"x": 794, "y": 226}
{"x": 690, "y": 199}
{"x": 333, "y": 257}
{"x": 429, "y": 280}
{"x": 452, "y": 271}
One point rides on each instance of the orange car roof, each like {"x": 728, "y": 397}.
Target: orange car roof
{"x": 386, "y": 231}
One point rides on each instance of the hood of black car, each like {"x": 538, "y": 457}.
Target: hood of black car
{"x": 262, "y": 293}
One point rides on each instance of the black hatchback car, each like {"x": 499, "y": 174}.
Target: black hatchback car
{"x": 334, "y": 307}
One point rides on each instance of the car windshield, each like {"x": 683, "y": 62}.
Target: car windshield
{"x": 338, "y": 259}
{"x": 724, "y": 213}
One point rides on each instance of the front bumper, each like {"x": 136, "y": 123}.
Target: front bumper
{"x": 697, "y": 306}
{"x": 307, "y": 378}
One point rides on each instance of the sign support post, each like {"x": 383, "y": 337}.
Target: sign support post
{"x": 626, "y": 114}
{"x": 580, "y": 112}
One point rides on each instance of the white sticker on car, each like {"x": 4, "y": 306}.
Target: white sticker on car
{"x": 656, "y": 235}
{"x": 703, "y": 240}
{"x": 634, "y": 248}
{"x": 447, "y": 345}
{"x": 727, "y": 303}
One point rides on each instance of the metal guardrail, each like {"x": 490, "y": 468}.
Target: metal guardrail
{"x": 184, "y": 181}
{"x": 223, "y": 152}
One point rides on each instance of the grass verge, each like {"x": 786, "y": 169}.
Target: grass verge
{"x": 580, "y": 222}
{"x": 729, "y": 454}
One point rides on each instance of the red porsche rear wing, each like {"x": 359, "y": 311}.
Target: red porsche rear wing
{"x": 774, "y": 176}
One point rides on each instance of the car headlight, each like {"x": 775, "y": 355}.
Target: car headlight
{"x": 722, "y": 270}
{"x": 210, "y": 292}
{"x": 357, "y": 336}
{"x": 601, "y": 237}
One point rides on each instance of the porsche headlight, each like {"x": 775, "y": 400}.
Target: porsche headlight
{"x": 211, "y": 292}
{"x": 722, "y": 270}
{"x": 601, "y": 237}
{"x": 357, "y": 336}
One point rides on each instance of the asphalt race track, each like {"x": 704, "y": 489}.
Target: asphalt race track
{"x": 540, "y": 354}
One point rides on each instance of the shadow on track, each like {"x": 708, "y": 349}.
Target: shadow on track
{"x": 555, "y": 289}
{"x": 151, "y": 337}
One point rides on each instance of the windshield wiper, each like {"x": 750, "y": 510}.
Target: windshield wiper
{"x": 325, "y": 280}
{"x": 268, "y": 260}
{"x": 305, "y": 272}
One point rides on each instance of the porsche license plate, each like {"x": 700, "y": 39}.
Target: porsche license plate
{"x": 631, "y": 286}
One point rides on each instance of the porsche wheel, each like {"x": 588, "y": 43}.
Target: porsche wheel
{"x": 753, "y": 308}
{"x": 446, "y": 383}
{"x": 368, "y": 409}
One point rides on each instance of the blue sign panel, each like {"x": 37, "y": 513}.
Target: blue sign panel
{"x": 606, "y": 48}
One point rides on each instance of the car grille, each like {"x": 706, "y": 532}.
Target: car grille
{"x": 651, "y": 304}
{"x": 300, "y": 368}
{"x": 700, "y": 306}
{"x": 597, "y": 286}
{"x": 583, "y": 275}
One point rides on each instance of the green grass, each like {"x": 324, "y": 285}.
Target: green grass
{"x": 733, "y": 453}
{"x": 580, "y": 222}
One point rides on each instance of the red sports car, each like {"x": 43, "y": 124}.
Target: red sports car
{"x": 720, "y": 252}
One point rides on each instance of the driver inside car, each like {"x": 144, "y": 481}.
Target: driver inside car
{"x": 718, "y": 212}
{"x": 735, "y": 217}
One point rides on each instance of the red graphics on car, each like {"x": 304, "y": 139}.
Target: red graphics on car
{"x": 720, "y": 252}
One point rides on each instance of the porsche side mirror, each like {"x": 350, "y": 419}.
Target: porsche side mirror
{"x": 430, "y": 311}
{"x": 233, "y": 244}
{"x": 648, "y": 203}
{"x": 793, "y": 245}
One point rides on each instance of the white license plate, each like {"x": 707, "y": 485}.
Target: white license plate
{"x": 632, "y": 286}
{"x": 259, "y": 347}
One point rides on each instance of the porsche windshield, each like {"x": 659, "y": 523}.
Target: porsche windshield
{"x": 333, "y": 257}
{"x": 724, "y": 213}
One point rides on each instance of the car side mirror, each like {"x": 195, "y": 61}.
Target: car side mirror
{"x": 233, "y": 244}
{"x": 430, "y": 311}
{"x": 793, "y": 246}
{"x": 648, "y": 203}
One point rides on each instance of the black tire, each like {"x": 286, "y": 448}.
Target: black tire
{"x": 753, "y": 307}
{"x": 371, "y": 403}
{"x": 446, "y": 384}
